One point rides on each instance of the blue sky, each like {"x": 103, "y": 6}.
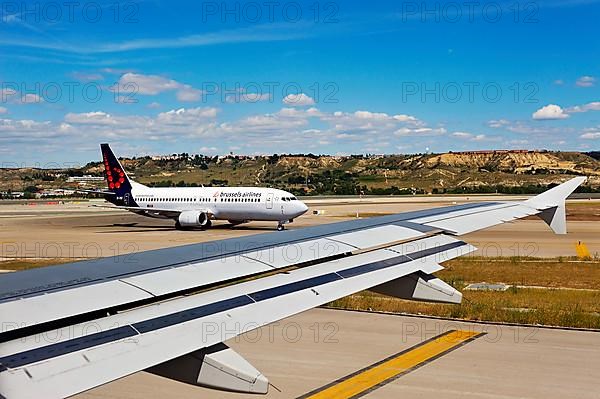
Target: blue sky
{"x": 330, "y": 77}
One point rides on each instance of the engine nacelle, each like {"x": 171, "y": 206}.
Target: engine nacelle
{"x": 193, "y": 218}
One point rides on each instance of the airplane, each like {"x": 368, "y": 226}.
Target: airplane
{"x": 193, "y": 207}
{"x": 72, "y": 327}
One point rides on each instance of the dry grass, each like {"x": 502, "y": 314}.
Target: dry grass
{"x": 25, "y": 264}
{"x": 552, "y": 273}
{"x": 565, "y": 308}
{"x": 558, "y": 307}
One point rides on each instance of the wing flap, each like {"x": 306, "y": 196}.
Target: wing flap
{"x": 196, "y": 275}
{"x": 376, "y": 236}
{"x": 420, "y": 286}
{"x": 279, "y": 256}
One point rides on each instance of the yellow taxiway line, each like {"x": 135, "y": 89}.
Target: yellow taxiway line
{"x": 385, "y": 371}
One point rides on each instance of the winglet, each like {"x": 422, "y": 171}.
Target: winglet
{"x": 552, "y": 204}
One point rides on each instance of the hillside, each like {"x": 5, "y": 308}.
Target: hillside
{"x": 491, "y": 171}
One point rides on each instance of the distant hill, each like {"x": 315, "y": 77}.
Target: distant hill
{"x": 472, "y": 172}
{"x": 594, "y": 154}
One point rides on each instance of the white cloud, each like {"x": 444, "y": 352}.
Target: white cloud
{"x": 6, "y": 93}
{"x": 188, "y": 94}
{"x": 87, "y": 76}
{"x": 593, "y": 106}
{"x": 405, "y": 118}
{"x": 3, "y": 110}
{"x": 374, "y": 123}
{"x": 471, "y": 137}
{"x": 184, "y": 116}
{"x": 243, "y": 97}
{"x": 498, "y": 123}
{"x": 522, "y": 127}
{"x": 586, "y": 81}
{"x": 267, "y": 32}
{"x": 287, "y": 130}
{"x": 559, "y": 82}
{"x": 93, "y": 118}
{"x": 420, "y": 131}
{"x": 31, "y": 98}
{"x": 520, "y": 142}
{"x": 151, "y": 85}
{"x": 127, "y": 99}
{"x": 550, "y": 112}
{"x": 590, "y": 136}
{"x": 283, "y": 121}
{"x": 462, "y": 135}
{"x": 180, "y": 123}
{"x": 14, "y": 132}
{"x": 590, "y": 133}
{"x": 298, "y": 100}
{"x": 374, "y": 116}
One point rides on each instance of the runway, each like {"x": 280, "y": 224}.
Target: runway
{"x": 315, "y": 348}
{"x": 81, "y": 231}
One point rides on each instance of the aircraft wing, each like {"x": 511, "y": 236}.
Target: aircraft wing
{"x": 72, "y": 327}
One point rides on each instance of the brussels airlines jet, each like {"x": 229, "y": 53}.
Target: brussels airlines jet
{"x": 197, "y": 206}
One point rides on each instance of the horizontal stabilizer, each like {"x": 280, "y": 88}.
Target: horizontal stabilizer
{"x": 420, "y": 286}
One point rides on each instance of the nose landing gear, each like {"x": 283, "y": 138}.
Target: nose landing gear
{"x": 281, "y": 225}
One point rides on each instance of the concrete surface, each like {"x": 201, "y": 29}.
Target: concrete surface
{"x": 312, "y": 349}
{"x": 78, "y": 230}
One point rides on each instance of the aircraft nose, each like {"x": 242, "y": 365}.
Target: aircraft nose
{"x": 303, "y": 207}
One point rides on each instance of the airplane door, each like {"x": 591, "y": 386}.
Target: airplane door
{"x": 126, "y": 199}
{"x": 269, "y": 201}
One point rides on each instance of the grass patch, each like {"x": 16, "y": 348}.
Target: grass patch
{"x": 550, "y": 306}
{"x": 26, "y": 264}
{"x": 552, "y": 273}
{"x": 529, "y": 306}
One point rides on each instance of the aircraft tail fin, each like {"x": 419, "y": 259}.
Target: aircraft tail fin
{"x": 552, "y": 204}
{"x": 116, "y": 178}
